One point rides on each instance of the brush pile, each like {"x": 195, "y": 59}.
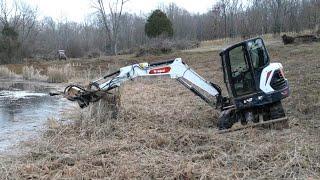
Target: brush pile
{"x": 299, "y": 39}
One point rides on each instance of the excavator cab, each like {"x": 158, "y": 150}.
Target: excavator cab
{"x": 255, "y": 86}
{"x": 242, "y": 64}
{"x": 250, "y": 78}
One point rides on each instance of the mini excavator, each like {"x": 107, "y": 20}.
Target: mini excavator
{"x": 255, "y": 85}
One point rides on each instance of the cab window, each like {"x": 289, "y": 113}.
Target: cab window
{"x": 241, "y": 76}
{"x": 258, "y": 54}
{"x": 237, "y": 61}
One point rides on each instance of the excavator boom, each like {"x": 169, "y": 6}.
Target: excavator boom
{"x": 175, "y": 69}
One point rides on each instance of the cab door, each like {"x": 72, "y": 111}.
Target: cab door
{"x": 241, "y": 79}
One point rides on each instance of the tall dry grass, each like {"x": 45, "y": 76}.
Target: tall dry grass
{"x": 31, "y": 73}
{"x": 220, "y": 44}
{"x": 57, "y": 74}
{"x": 6, "y": 72}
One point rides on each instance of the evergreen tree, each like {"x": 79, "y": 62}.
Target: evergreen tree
{"x": 9, "y": 44}
{"x": 158, "y": 24}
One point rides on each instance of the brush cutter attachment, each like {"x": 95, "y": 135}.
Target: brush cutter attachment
{"x": 82, "y": 95}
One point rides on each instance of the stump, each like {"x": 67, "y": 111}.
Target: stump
{"x": 287, "y": 39}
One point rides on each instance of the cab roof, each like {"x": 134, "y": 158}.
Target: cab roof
{"x": 237, "y": 44}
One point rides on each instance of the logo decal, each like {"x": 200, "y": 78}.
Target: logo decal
{"x": 162, "y": 70}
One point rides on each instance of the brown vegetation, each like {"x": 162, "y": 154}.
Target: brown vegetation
{"x": 31, "y": 73}
{"x": 5, "y": 72}
{"x": 158, "y": 46}
{"x": 58, "y": 74}
{"x": 163, "y": 131}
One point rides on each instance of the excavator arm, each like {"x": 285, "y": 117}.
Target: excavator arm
{"x": 175, "y": 69}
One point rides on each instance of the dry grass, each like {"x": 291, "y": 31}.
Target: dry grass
{"x": 58, "y": 74}
{"x": 6, "y": 72}
{"x": 31, "y": 73}
{"x": 219, "y": 44}
{"x": 163, "y": 131}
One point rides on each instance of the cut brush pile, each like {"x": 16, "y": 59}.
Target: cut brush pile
{"x": 163, "y": 131}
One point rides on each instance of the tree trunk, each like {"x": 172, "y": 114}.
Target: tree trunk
{"x": 115, "y": 44}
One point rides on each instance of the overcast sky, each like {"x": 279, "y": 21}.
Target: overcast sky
{"x": 77, "y": 10}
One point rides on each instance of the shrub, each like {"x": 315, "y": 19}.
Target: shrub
{"x": 159, "y": 46}
{"x": 94, "y": 54}
{"x": 9, "y": 45}
{"x": 154, "y": 50}
{"x": 186, "y": 44}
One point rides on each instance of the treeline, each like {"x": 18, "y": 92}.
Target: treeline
{"x": 230, "y": 18}
{"x": 111, "y": 31}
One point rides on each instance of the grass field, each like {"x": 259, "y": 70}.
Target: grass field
{"x": 164, "y": 132}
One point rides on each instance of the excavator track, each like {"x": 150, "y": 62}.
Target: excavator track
{"x": 274, "y": 122}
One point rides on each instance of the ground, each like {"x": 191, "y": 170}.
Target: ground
{"x": 164, "y": 131}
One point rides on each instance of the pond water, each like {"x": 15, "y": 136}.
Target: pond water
{"x": 24, "y": 109}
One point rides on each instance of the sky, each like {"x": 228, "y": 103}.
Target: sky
{"x": 77, "y": 10}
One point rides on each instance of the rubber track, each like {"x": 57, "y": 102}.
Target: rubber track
{"x": 253, "y": 125}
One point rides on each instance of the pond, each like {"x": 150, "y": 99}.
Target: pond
{"x": 24, "y": 109}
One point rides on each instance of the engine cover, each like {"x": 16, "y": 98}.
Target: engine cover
{"x": 268, "y": 76}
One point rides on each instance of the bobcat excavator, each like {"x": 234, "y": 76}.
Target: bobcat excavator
{"x": 255, "y": 86}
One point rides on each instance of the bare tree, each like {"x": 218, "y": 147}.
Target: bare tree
{"x": 4, "y": 12}
{"x": 111, "y": 20}
{"x": 184, "y": 24}
{"x": 26, "y": 27}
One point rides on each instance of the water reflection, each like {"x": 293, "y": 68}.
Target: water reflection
{"x": 24, "y": 107}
